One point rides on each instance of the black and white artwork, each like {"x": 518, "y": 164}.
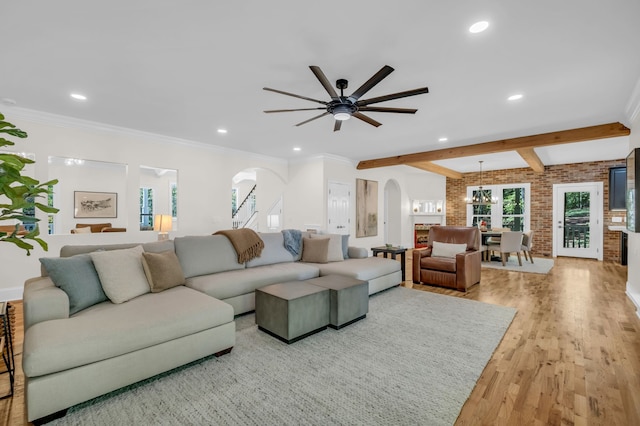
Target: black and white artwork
{"x": 95, "y": 204}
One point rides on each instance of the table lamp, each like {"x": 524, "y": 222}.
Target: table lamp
{"x": 163, "y": 224}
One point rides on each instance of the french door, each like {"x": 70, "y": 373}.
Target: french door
{"x": 577, "y": 220}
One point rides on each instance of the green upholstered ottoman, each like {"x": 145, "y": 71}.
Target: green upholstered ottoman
{"x": 292, "y": 310}
{"x": 349, "y": 298}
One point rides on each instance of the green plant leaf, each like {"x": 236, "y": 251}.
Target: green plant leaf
{"x": 46, "y": 209}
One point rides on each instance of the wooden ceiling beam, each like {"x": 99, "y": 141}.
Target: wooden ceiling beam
{"x": 434, "y": 168}
{"x": 602, "y": 131}
{"x": 529, "y": 155}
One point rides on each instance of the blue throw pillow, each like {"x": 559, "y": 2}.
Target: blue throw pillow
{"x": 345, "y": 246}
{"x": 77, "y": 277}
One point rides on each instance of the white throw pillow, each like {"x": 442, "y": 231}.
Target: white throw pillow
{"x": 83, "y": 230}
{"x": 121, "y": 273}
{"x": 447, "y": 249}
{"x": 335, "y": 246}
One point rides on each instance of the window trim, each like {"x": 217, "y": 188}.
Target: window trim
{"x": 496, "y": 209}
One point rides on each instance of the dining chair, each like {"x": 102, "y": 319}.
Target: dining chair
{"x": 527, "y": 242}
{"x": 510, "y": 242}
{"x": 496, "y": 240}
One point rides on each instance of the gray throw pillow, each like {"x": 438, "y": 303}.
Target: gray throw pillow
{"x": 77, "y": 277}
{"x": 345, "y": 246}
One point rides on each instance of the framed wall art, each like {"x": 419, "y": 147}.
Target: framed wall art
{"x": 95, "y": 204}
{"x": 366, "y": 208}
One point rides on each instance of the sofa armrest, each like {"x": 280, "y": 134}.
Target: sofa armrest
{"x": 468, "y": 265}
{"x": 43, "y": 301}
{"x": 358, "y": 253}
{"x": 417, "y": 255}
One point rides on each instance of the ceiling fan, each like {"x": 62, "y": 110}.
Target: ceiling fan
{"x": 344, "y": 107}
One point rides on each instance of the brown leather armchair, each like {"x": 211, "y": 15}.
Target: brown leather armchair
{"x": 459, "y": 272}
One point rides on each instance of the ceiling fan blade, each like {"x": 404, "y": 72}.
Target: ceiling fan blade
{"x": 392, "y": 96}
{"x": 337, "y": 126}
{"x": 382, "y": 109}
{"x": 366, "y": 119}
{"x": 314, "y": 118}
{"x": 294, "y": 95}
{"x": 324, "y": 81}
{"x": 368, "y": 85}
{"x": 290, "y": 110}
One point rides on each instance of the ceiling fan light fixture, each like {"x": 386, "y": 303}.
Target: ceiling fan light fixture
{"x": 478, "y": 27}
{"x": 342, "y": 112}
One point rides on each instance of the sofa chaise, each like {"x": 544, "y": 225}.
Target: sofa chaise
{"x": 71, "y": 357}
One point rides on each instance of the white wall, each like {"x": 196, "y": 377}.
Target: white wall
{"x": 633, "y": 271}
{"x": 205, "y": 176}
{"x": 204, "y": 187}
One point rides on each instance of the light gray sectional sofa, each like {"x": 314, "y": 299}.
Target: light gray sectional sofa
{"x": 71, "y": 358}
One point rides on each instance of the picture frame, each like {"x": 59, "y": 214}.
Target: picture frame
{"x": 366, "y": 208}
{"x": 87, "y": 204}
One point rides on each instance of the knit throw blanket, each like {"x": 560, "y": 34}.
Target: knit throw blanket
{"x": 246, "y": 242}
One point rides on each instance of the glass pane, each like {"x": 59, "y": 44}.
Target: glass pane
{"x": 477, "y": 220}
{"x": 483, "y": 210}
{"x": 577, "y": 209}
{"x": 515, "y": 223}
{"x": 513, "y": 201}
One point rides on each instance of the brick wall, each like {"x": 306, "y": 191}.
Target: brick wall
{"x": 541, "y": 198}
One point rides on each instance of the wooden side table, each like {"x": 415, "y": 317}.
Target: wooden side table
{"x": 6, "y": 346}
{"x": 391, "y": 252}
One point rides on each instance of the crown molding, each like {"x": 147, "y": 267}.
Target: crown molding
{"x": 63, "y": 121}
{"x": 322, "y": 157}
{"x": 632, "y": 110}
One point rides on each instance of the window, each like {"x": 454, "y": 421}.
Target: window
{"x": 174, "y": 199}
{"x": 50, "y": 218}
{"x": 146, "y": 209}
{"x": 511, "y": 211}
{"x": 234, "y": 201}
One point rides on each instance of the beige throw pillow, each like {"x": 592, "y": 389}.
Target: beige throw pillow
{"x": 121, "y": 273}
{"x": 83, "y": 230}
{"x": 447, "y": 249}
{"x": 315, "y": 250}
{"x": 335, "y": 253}
{"x": 163, "y": 270}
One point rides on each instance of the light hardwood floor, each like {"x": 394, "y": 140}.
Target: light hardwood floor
{"x": 570, "y": 357}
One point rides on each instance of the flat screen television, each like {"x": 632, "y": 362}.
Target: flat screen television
{"x": 633, "y": 183}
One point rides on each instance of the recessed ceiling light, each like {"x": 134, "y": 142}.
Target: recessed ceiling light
{"x": 78, "y": 97}
{"x": 222, "y": 130}
{"x": 479, "y": 27}
{"x": 443, "y": 139}
{"x": 297, "y": 148}
{"x": 515, "y": 97}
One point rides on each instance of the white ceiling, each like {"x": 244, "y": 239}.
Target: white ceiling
{"x": 185, "y": 69}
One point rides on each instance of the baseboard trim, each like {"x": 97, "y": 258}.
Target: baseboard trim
{"x": 13, "y": 293}
{"x": 635, "y": 298}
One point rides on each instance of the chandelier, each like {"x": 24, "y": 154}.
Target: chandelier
{"x": 481, "y": 197}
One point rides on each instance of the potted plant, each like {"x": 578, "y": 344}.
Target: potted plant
{"x": 18, "y": 193}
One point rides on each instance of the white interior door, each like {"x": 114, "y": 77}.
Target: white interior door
{"x": 577, "y": 220}
{"x": 339, "y": 200}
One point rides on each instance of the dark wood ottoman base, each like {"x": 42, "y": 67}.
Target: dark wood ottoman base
{"x": 349, "y": 298}
{"x": 293, "y": 310}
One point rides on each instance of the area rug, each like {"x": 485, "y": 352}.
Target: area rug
{"x": 539, "y": 265}
{"x": 414, "y": 359}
